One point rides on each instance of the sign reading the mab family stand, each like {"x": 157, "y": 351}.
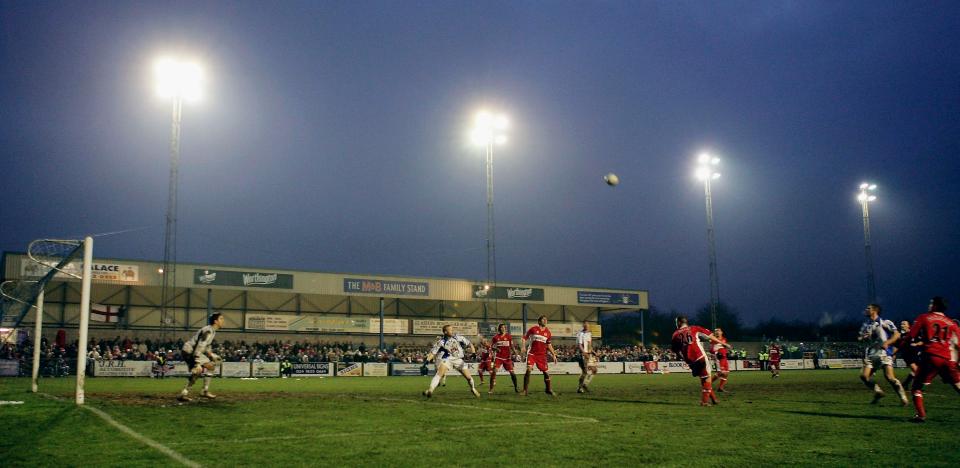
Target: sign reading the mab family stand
{"x": 607, "y": 298}
{"x": 394, "y": 288}
{"x": 435, "y": 327}
{"x": 324, "y": 324}
{"x": 246, "y": 279}
{"x": 508, "y": 293}
{"x": 100, "y": 271}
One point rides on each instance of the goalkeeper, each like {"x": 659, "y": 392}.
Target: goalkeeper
{"x": 200, "y": 358}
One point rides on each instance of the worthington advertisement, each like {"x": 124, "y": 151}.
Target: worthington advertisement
{"x": 246, "y": 279}
{"x": 509, "y": 293}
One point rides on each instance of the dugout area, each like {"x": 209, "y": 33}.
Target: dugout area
{"x": 265, "y": 303}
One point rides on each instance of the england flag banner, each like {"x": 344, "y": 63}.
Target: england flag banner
{"x": 105, "y": 313}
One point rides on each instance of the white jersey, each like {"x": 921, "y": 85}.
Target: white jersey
{"x": 200, "y": 343}
{"x": 451, "y": 347}
{"x": 874, "y": 333}
{"x": 584, "y": 342}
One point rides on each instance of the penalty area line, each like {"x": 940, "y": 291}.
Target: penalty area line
{"x": 136, "y": 435}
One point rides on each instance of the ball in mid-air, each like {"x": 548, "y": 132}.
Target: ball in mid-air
{"x": 611, "y": 179}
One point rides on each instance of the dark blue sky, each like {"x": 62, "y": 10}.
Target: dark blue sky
{"x": 332, "y": 138}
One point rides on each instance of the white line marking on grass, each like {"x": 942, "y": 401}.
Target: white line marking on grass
{"x": 487, "y": 408}
{"x": 359, "y": 434}
{"x": 8, "y": 402}
{"x": 136, "y": 435}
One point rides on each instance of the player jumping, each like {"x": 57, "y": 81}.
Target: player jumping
{"x": 940, "y": 339}
{"x": 539, "y": 336}
{"x": 200, "y": 358}
{"x": 586, "y": 357}
{"x": 449, "y": 351}
{"x": 503, "y": 356}
{"x": 723, "y": 365}
{"x": 686, "y": 343}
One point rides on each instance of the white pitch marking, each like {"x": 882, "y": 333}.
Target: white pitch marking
{"x": 7, "y": 402}
{"x": 357, "y": 434}
{"x": 484, "y": 408}
{"x": 136, "y": 435}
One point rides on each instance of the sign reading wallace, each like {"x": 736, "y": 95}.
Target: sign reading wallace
{"x": 508, "y": 292}
{"x": 247, "y": 279}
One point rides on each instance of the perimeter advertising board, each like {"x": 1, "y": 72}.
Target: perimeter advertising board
{"x": 312, "y": 369}
{"x": 435, "y": 327}
{"x": 324, "y": 324}
{"x": 104, "y": 368}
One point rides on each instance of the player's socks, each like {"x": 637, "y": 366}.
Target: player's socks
{"x": 493, "y": 381}
{"x": 206, "y": 383}
{"x": 434, "y": 383}
{"x": 723, "y": 382}
{"x": 586, "y": 381}
{"x": 918, "y": 404}
{"x": 513, "y": 377}
{"x": 705, "y": 392}
{"x": 869, "y": 383}
{"x": 546, "y": 382}
{"x": 526, "y": 382}
{"x": 898, "y": 387}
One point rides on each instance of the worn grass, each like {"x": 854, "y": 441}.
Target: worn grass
{"x": 803, "y": 418}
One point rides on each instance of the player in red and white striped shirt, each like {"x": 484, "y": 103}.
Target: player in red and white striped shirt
{"x": 485, "y": 355}
{"x": 686, "y": 343}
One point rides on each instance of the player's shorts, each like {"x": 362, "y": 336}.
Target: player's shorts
{"x": 453, "y": 363}
{"x": 485, "y": 366}
{"x": 877, "y": 360}
{"x": 506, "y": 363}
{"x": 194, "y": 361}
{"x": 775, "y": 364}
{"x": 931, "y": 366}
{"x": 539, "y": 360}
{"x": 587, "y": 362}
{"x": 724, "y": 365}
{"x": 699, "y": 368}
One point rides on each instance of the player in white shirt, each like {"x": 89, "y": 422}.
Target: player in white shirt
{"x": 879, "y": 335}
{"x": 200, "y": 357}
{"x": 586, "y": 357}
{"x": 448, "y": 350}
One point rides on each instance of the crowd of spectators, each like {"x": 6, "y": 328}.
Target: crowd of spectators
{"x": 334, "y": 351}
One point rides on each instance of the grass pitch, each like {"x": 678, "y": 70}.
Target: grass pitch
{"x": 802, "y": 418}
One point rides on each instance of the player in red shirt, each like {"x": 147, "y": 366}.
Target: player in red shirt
{"x": 485, "y": 355}
{"x": 720, "y": 351}
{"x": 775, "y": 354}
{"x": 539, "y": 337}
{"x": 503, "y": 351}
{"x": 940, "y": 339}
{"x": 686, "y": 343}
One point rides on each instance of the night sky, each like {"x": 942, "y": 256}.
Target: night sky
{"x": 332, "y": 137}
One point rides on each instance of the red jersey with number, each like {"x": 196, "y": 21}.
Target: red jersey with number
{"x": 503, "y": 346}
{"x": 539, "y": 338}
{"x": 775, "y": 353}
{"x": 720, "y": 350}
{"x": 937, "y": 333}
{"x": 686, "y": 343}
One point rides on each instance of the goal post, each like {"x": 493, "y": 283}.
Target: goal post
{"x": 84, "y": 317}
{"x": 18, "y": 297}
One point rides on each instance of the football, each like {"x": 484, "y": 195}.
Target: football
{"x": 611, "y": 179}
